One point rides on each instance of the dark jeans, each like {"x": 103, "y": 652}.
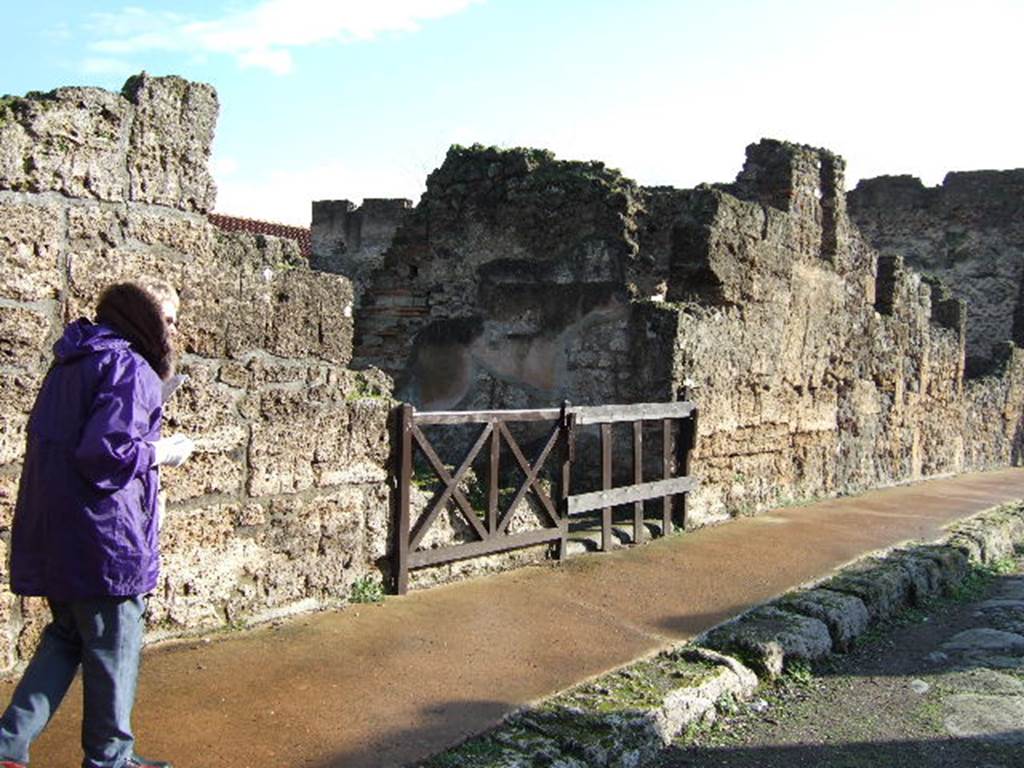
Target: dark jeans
{"x": 104, "y": 636}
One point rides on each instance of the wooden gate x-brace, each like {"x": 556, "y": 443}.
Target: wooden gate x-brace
{"x": 490, "y": 525}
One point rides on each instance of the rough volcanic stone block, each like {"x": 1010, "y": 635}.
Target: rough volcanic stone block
{"x": 283, "y": 442}
{"x": 844, "y": 615}
{"x": 17, "y": 394}
{"x": 170, "y": 142}
{"x": 188, "y": 237}
{"x": 24, "y": 333}
{"x": 951, "y": 562}
{"x": 769, "y": 638}
{"x": 31, "y": 250}
{"x": 206, "y": 411}
{"x": 8, "y": 645}
{"x": 204, "y": 566}
{"x": 207, "y": 472}
{"x": 620, "y": 720}
{"x": 8, "y": 498}
{"x": 925, "y": 574}
{"x": 884, "y": 587}
{"x": 259, "y": 294}
{"x": 71, "y": 140}
{"x": 105, "y": 247}
{"x": 309, "y": 316}
{"x": 315, "y": 437}
{"x": 35, "y": 615}
{"x": 989, "y": 537}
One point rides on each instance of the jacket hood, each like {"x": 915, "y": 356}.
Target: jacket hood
{"x": 85, "y": 338}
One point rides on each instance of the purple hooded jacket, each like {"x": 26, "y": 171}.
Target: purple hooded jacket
{"x": 85, "y": 524}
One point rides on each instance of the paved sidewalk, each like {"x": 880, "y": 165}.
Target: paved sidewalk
{"x": 385, "y": 686}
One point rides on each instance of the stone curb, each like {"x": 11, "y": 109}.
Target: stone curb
{"x": 811, "y": 623}
{"x": 625, "y": 717}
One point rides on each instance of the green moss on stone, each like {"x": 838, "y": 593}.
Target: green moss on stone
{"x": 641, "y": 686}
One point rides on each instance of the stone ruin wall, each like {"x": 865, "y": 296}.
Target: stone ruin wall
{"x": 969, "y": 231}
{"x": 284, "y": 505}
{"x": 820, "y": 367}
{"x": 350, "y": 239}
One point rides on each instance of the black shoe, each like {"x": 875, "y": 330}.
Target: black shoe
{"x": 140, "y": 762}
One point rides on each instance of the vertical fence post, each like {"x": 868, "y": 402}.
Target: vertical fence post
{"x": 494, "y": 479}
{"x": 404, "y": 481}
{"x": 638, "y": 478}
{"x": 666, "y": 460}
{"x": 606, "y": 484}
{"x": 688, "y": 440}
{"x": 568, "y": 426}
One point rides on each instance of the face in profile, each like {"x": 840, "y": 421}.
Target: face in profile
{"x": 170, "y": 312}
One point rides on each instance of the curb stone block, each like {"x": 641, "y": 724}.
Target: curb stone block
{"x": 883, "y": 586}
{"x": 925, "y": 576}
{"x": 845, "y": 615}
{"x": 971, "y": 547}
{"x": 626, "y": 740}
{"x": 770, "y": 638}
{"x": 990, "y": 536}
{"x": 621, "y": 720}
{"x": 951, "y": 562}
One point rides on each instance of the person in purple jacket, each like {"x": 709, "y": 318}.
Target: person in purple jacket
{"x": 86, "y": 522}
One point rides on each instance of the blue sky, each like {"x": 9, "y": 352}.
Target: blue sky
{"x": 329, "y": 99}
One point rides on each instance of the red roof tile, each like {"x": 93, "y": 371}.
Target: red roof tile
{"x": 238, "y": 224}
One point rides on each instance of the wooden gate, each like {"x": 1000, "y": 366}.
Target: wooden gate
{"x": 488, "y": 523}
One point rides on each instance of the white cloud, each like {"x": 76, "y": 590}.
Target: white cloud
{"x": 264, "y": 35}
{"x": 286, "y": 196}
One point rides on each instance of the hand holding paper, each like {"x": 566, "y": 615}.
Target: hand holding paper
{"x": 172, "y": 451}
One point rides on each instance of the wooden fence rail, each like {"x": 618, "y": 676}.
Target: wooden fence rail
{"x": 489, "y": 525}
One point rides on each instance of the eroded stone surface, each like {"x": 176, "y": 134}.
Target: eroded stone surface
{"x": 844, "y": 615}
{"x": 884, "y": 587}
{"x": 820, "y": 367}
{"x": 769, "y": 638}
{"x": 31, "y": 257}
{"x": 620, "y": 720}
{"x": 996, "y": 718}
{"x": 986, "y": 640}
{"x": 966, "y": 231}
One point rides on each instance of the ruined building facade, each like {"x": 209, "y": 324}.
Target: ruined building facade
{"x": 822, "y": 362}
{"x": 970, "y": 233}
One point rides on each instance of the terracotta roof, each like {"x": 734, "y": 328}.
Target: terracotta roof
{"x": 257, "y": 227}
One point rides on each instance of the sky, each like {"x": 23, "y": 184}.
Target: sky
{"x": 349, "y": 99}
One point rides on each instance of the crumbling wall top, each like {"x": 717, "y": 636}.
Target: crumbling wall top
{"x": 148, "y": 144}
{"x": 538, "y": 205}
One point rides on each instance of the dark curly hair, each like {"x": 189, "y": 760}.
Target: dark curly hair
{"x": 136, "y": 314}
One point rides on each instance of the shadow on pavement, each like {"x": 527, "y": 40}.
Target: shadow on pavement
{"x": 441, "y": 728}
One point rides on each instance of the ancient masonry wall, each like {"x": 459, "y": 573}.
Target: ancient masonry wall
{"x": 820, "y": 366}
{"x": 970, "y": 232}
{"x": 284, "y": 505}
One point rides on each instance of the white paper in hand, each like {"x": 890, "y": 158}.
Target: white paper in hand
{"x": 169, "y": 387}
